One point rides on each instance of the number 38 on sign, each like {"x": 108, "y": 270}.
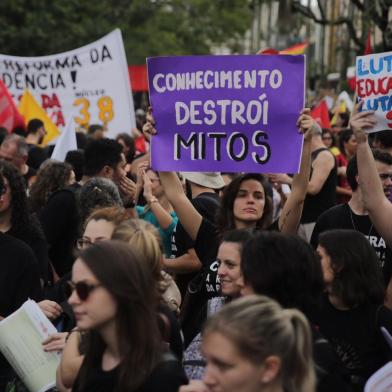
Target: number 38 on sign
{"x": 89, "y": 112}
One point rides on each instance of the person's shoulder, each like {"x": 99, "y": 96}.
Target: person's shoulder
{"x": 335, "y": 212}
{"x": 68, "y": 193}
{"x": 207, "y": 227}
{"x": 206, "y": 198}
{"x": 15, "y": 247}
{"x": 324, "y": 154}
{"x": 168, "y": 372}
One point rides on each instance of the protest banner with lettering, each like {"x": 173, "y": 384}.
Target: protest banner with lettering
{"x": 374, "y": 87}
{"x": 227, "y": 113}
{"x": 92, "y": 79}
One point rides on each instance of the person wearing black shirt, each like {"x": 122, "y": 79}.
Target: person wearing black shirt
{"x": 16, "y": 220}
{"x": 354, "y": 215}
{"x": 35, "y": 136}
{"x": 379, "y": 207}
{"x": 202, "y": 189}
{"x": 19, "y": 277}
{"x": 351, "y": 313}
{"x": 321, "y": 192}
{"x": 60, "y": 217}
{"x": 114, "y": 298}
{"x": 19, "y": 281}
{"x": 286, "y": 269}
{"x": 244, "y": 205}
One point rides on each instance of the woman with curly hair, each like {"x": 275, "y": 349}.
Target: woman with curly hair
{"x": 16, "y": 220}
{"x": 51, "y": 177}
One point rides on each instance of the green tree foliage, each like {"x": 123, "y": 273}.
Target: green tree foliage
{"x": 149, "y": 27}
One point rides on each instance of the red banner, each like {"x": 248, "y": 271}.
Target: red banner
{"x": 138, "y": 76}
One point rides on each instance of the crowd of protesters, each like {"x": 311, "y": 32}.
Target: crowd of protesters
{"x": 198, "y": 282}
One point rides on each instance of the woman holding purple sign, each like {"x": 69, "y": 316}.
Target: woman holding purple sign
{"x": 244, "y": 206}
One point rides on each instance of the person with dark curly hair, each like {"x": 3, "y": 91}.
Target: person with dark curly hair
{"x": 16, "y": 220}
{"x": 19, "y": 277}
{"x": 51, "y": 177}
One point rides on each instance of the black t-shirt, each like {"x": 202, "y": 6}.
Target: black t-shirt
{"x": 356, "y": 336}
{"x": 19, "y": 275}
{"x": 206, "y": 204}
{"x": 19, "y": 279}
{"x": 34, "y": 237}
{"x": 60, "y": 222}
{"x": 167, "y": 376}
{"x": 206, "y": 248}
{"x": 315, "y": 205}
{"x": 330, "y": 372}
{"x": 342, "y": 217}
{"x": 36, "y": 156}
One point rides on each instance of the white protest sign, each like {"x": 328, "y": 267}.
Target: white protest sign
{"x": 374, "y": 87}
{"x": 91, "y": 81}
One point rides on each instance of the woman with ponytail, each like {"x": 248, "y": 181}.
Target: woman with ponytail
{"x": 253, "y": 345}
{"x": 143, "y": 236}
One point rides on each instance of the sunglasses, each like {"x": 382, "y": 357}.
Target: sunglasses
{"x": 83, "y": 289}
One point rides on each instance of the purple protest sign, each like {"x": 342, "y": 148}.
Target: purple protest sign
{"x": 227, "y": 113}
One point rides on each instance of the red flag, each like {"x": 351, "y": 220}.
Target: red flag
{"x": 321, "y": 115}
{"x": 368, "y": 46}
{"x": 10, "y": 117}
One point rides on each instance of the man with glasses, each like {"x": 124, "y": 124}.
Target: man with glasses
{"x": 354, "y": 214}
